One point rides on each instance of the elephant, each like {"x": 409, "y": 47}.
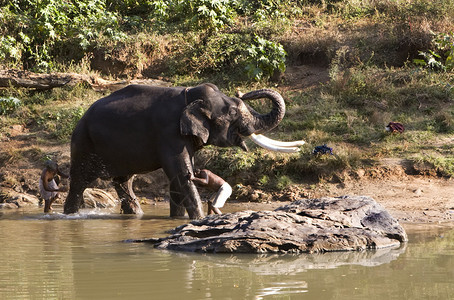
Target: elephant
{"x": 141, "y": 128}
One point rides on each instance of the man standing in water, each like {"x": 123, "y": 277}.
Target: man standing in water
{"x": 215, "y": 183}
{"x": 48, "y": 187}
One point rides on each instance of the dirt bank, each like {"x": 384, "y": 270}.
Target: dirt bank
{"x": 409, "y": 198}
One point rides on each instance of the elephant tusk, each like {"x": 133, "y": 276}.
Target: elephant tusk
{"x": 269, "y": 141}
{"x": 273, "y": 145}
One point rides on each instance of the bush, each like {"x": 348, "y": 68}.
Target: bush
{"x": 219, "y": 52}
{"x": 62, "y": 122}
{"x": 442, "y": 57}
{"x": 199, "y": 14}
{"x": 264, "y": 59}
{"x": 240, "y": 56}
{"x": 36, "y": 31}
{"x": 9, "y": 105}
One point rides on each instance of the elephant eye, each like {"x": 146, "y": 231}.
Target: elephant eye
{"x": 232, "y": 112}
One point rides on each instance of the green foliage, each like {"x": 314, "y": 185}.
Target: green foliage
{"x": 38, "y": 34}
{"x": 210, "y": 13}
{"x": 442, "y": 57}
{"x": 10, "y": 49}
{"x": 62, "y": 122}
{"x": 237, "y": 55}
{"x": 131, "y": 7}
{"x": 37, "y": 30}
{"x": 259, "y": 10}
{"x": 198, "y": 14}
{"x": 220, "y": 52}
{"x": 9, "y": 105}
{"x": 234, "y": 161}
{"x": 443, "y": 122}
{"x": 264, "y": 180}
{"x": 264, "y": 59}
{"x": 443, "y": 165}
{"x": 283, "y": 182}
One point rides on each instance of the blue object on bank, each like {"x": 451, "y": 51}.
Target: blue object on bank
{"x": 323, "y": 149}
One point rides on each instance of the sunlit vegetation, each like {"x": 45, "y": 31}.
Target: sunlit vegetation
{"x": 382, "y": 61}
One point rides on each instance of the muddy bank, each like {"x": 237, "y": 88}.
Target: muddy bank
{"x": 408, "y": 197}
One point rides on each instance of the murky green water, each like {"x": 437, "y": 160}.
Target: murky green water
{"x": 84, "y": 257}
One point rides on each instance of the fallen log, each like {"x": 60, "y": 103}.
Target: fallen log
{"x": 38, "y": 81}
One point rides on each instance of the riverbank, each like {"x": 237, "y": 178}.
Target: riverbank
{"x": 409, "y": 198}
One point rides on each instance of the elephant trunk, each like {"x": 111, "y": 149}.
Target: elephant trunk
{"x": 265, "y": 122}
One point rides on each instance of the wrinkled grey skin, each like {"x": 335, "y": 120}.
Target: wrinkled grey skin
{"x": 142, "y": 128}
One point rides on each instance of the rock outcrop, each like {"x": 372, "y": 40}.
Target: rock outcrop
{"x": 348, "y": 223}
{"x": 11, "y": 199}
{"x": 93, "y": 198}
{"x": 97, "y": 198}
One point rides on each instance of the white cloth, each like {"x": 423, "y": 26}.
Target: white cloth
{"x": 222, "y": 195}
{"x": 46, "y": 194}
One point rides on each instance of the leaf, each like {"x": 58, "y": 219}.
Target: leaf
{"x": 419, "y": 62}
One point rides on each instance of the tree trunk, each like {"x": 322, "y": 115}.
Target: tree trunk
{"x": 25, "y": 79}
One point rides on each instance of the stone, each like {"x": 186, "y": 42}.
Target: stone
{"x": 418, "y": 192}
{"x": 11, "y": 199}
{"x": 8, "y": 205}
{"x": 347, "y": 223}
{"x": 97, "y": 198}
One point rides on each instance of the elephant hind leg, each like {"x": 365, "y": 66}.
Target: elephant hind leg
{"x": 129, "y": 202}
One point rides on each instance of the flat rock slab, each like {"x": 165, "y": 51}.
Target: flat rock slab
{"x": 348, "y": 223}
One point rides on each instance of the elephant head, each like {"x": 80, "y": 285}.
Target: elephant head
{"x": 224, "y": 121}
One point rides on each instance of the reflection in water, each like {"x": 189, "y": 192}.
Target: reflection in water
{"x": 270, "y": 264}
{"x": 84, "y": 257}
{"x": 284, "y": 288}
{"x": 209, "y": 267}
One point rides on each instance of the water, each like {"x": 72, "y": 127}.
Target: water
{"x": 85, "y": 257}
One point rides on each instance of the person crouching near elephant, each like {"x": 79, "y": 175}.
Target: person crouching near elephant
{"x": 213, "y": 182}
{"x": 48, "y": 186}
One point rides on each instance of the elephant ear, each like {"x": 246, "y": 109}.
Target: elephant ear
{"x": 194, "y": 120}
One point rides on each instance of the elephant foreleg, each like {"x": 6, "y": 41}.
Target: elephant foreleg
{"x": 129, "y": 201}
{"x": 75, "y": 197}
{"x": 80, "y": 178}
{"x": 177, "y": 208}
{"x": 184, "y": 196}
{"x": 193, "y": 203}
{"x": 178, "y": 166}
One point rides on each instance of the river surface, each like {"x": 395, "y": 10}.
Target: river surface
{"x": 87, "y": 257}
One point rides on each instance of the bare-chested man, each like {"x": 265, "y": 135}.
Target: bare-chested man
{"x": 48, "y": 188}
{"x": 215, "y": 183}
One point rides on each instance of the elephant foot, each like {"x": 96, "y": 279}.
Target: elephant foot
{"x": 195, "y": 215}
{"x": 70, "y": 210}
{"x": 176, "y": 210}
{"x": 131, "y": 207}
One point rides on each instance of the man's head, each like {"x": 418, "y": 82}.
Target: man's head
{"x": 51, "y": 166}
